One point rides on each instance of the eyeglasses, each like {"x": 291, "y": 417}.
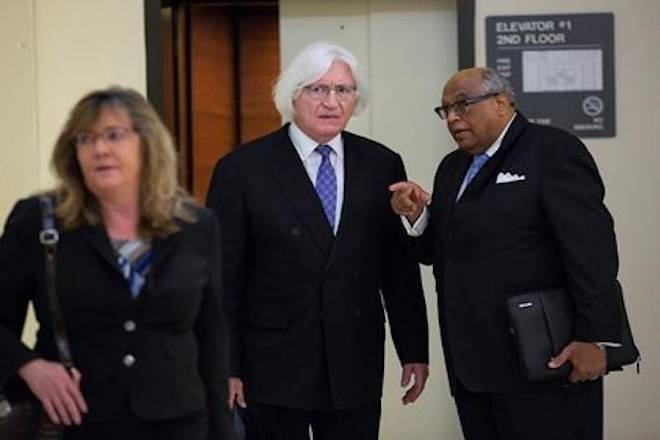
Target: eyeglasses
{"x": 461, "y": 107}
{"x": 110, "y": 136}
{"x": 321, "y": 92}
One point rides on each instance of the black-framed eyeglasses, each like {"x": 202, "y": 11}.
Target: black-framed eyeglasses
{"x": 461, "y": 107}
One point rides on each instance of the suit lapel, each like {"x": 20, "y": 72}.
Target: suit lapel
{"x": 98, "y": 240}
{"x": 456, "y": 178}
{"x": 356, "y": 183}
{"x": 446, "y": 189}
{"x": 289, "y": 173}
{"x": 357, "y": 188}
{"x": 493, "y": 165}
{"x": 161, "y": 247}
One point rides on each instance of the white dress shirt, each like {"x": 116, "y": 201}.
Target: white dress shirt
{"x": 311, "y": 159}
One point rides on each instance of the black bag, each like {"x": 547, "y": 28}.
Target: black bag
{"x": 21, "y": 414}
{"x": 22, "y": 418}
{"x": 246, "y": 427}
{"x": 542, "y": 325}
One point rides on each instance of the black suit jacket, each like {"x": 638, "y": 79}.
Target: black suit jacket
{"x": 180, "y": 339}
{"x": 305, "y": 307}
{"x": 550, "y": 229}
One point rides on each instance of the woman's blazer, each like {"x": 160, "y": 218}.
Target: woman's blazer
{"x": 165, "y": 352}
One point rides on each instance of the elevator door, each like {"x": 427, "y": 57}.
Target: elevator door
{"x": 220, "y": 61}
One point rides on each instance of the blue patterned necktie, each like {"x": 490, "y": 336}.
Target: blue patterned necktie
{"x": 477, "y": 162}
{"x": 326, "y": 184}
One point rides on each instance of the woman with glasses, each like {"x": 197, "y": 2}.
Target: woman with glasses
{"x": 138, "y": 284}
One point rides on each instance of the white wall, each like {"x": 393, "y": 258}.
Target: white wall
{"x": 18, "y": 116}
{"x": 629, "y": 165}
{"x": 408, "y": 48}
{"x": 52, "y": 52}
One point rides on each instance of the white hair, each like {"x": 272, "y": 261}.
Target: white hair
{"x": 307, "y": 67}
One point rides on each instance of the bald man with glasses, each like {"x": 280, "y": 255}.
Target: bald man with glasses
{"x": 516, "y": 207}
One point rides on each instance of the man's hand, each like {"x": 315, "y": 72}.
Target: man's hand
{"x": 58, "y": 392}
{"x": 421, "y": 373}
{"x": 236, "y": 395}
{"x": 408, "y": 199}
{"x": 588, "y": 359}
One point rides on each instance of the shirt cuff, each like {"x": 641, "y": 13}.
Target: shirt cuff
{"x": 420, "y": 225}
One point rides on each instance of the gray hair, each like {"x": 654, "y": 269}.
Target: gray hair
{"x": 493, "y": 82}
{"x": 310, "y": 65}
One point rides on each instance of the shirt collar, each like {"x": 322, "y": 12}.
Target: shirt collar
{"x": 498, "y": 142}
{"x": 305, "y": 145}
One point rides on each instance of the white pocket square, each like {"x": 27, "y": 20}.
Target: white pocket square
{"x": 508, "y": 177}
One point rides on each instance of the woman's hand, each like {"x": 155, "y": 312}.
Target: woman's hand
{"x": 236, "y": 396}
{"x": 58, "y": 392}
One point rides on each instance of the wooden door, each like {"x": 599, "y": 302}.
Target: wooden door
{"x": 220, "y": 62}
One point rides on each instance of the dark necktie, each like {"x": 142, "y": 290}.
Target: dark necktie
{"x": 326, "y": 184}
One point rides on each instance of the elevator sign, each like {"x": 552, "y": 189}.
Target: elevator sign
{"x": 561, "y": 68}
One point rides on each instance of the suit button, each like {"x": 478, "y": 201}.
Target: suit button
{"x": 129, "y": 326}
{"x": 128, "y": 360}
{"x": 357, "y": 313}
{"x": 295, "y": 232}
{"x": 5, "y": 408}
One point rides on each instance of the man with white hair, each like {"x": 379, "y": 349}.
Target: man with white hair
{"x": 312, "y": 254}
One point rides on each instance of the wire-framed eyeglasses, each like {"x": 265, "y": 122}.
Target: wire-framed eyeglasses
{"x": 111, "y": 136}
{"x": 321, "y": 92}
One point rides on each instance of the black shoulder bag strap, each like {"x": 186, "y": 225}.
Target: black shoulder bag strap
{"x": 49, "y": 238}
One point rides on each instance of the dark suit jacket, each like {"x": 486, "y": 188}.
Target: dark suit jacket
{"x": 305, "y": 308}
{"x": 549, "y": 230}
{"x": 180, "y": 338}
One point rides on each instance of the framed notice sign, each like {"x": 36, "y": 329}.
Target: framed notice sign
{"x": 561, "y": 68}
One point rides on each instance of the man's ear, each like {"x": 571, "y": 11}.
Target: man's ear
{"x": 503, "y": 104}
